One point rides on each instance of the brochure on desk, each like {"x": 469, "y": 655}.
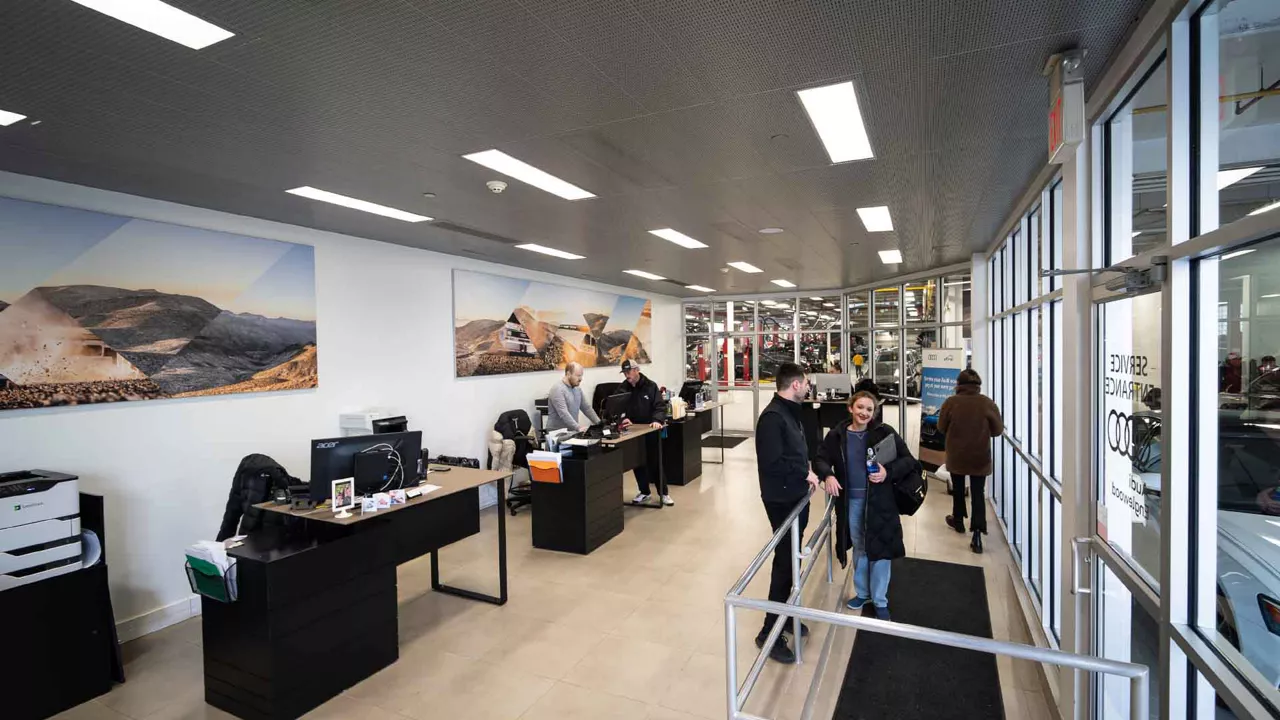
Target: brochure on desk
{"x": 505, "y": 325}
{"x": 102, "y": 308}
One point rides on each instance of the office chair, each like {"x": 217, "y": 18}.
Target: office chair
{"x": 510, "y": 442}
{"x": 601, "y": 393}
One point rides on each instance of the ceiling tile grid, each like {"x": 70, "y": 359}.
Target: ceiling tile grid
{"x": 676, "y": 113}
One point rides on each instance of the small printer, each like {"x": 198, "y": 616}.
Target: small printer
{"x": 39, "y": 526}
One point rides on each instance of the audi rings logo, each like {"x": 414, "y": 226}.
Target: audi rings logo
{"x": 1119, "y": 431}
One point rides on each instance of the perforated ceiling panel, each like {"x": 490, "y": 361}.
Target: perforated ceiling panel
{"x": 675, "y": 113}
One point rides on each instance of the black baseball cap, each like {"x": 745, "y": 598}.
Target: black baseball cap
{"x": 628, "y": 366}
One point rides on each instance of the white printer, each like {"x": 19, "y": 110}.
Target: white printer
{"x": 39, "y": 526}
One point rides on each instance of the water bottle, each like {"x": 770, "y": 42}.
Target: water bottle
{"x": 872, "y": 468}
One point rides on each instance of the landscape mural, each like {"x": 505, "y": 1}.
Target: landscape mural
{"x": 507, "y": 325}
{"x": 100, "y": 308}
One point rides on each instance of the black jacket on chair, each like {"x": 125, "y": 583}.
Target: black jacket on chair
{"x": 782, "y": 455}
{"x": 882, "y": 525}
{"x": 255, "y": 482}
{"x": 516, "y": 425}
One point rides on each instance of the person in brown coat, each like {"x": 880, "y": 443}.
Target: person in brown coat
{"x": 969, "y": 420}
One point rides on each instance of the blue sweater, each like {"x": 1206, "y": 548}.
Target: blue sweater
{"x": 855, "y": 445}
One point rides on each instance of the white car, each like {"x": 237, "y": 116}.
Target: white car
{"x": 1248, "y": 592}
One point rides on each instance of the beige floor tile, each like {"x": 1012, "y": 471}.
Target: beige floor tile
{"x": 343, "y": 707}
{"x": 570, "y": 702}
{"x": 154, "y": 683}
{"x": 481, "y": 692}
{"x": 631, "y": 668}
{"x": 660, "y": 713}
{"x": 700, "y": 688}
{"x": 91, "y": 710}
{"x": 601, "y": 610}
{"x": 545, "y": 649}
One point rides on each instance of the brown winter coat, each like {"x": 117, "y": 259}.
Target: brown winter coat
{"x": 969, "y": 420}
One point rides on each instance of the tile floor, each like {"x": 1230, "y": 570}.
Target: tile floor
{"x": 634, "y": 631}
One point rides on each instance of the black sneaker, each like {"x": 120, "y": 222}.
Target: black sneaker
{"x": 956, "y": 524}
{"x": 789, "y": 629}
{"x": 781, "y": 652}
{"x": 976, "y": 544}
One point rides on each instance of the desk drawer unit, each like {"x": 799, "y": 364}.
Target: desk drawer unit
{"x": 584, "y": 511}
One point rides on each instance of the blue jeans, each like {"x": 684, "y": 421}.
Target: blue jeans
{"x": 870, "y": 578}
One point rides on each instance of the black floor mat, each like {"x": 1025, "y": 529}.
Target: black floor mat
{"x": 730, "y": 441}
{"x": 890, "y": 677}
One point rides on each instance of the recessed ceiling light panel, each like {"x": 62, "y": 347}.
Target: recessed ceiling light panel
{"x": 9, "y": 118}
{"x": 891, "y": 257}
{"x": 355, "y": 204}
{"x": 643, "y": 274}
{"x": 745, "y": 267}
{"x": 836, "y": 118}
{"x": 770, "y": 230}
{"x": 1266, "y": 208}
{"x": 678, "y": 238}
{"x": 784, "y": 283}
{"x": 161, "y": 19}
{"x": 876, "y": 219}
{"x": 699, "y": 288}
{"x": 1236, "y": 254}
{"x": 1226, "y": 178}
{"x": 534, "y": 247}
{"x": 526, "y": 173}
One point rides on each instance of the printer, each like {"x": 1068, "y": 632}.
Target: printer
{"x": 39, "y": 526}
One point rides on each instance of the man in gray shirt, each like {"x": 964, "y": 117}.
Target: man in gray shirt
{"x": 565, "y": 401}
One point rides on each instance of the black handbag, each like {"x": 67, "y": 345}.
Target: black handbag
{"x": 909, "y": 492}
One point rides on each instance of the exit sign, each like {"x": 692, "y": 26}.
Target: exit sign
{"x": 1066, "y": 105}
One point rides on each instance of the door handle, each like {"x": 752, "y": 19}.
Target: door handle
{"x": 1076, "y": 544}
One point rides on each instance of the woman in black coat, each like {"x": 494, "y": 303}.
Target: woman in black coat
{"x": 867, "y": 512}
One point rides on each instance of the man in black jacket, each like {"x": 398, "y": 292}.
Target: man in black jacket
{"x": 644, "y": 407}
{"x": 782, "y": 461}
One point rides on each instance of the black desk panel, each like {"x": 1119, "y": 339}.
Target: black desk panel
{"x": 584, "y": 511}
{"x": 682, "y": 450}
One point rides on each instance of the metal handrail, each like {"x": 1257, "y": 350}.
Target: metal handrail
{"x": 1138, "y": 675}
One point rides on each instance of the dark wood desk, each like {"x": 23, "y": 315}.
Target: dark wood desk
{"x": 317, "y": 610}
{"x": 580, "y": 513}
{"x": 705, "y": 425}
{"x": 682, "y": 451}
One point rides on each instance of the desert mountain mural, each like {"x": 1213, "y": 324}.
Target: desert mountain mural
{"x": 545, "y": 327}
{"x": 116, "y": 309}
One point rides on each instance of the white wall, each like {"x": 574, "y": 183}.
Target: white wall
{"x": 385, "y": 337}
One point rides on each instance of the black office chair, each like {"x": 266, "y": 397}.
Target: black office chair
{"x": 510, "y": 443}
{"x": 601, "y": 393}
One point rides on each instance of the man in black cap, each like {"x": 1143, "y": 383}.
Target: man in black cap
{"x": 644, "y": 407}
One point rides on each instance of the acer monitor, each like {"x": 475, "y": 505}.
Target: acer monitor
{"x": 336, "y": 459}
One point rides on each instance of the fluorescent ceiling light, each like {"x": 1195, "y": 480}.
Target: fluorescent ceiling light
{"x": 534, "y": 247}
{"x": 1135, "y": 234}
{"x": 1266, "y": 208}
{"x": 678, "y": 238}
{"x": 784, "y": 283}
{"x": 354, "y": 204}
{"x": 9, "y": 118}
{"x": 834, "y": 112}
{"x": 891, "y": 257}
{"x": 876, "y": 219}
{"x": 1227, "y": 178}
{"x": 699, "y": 288}
{"x": 816, "y": 299}
{"x": 745, "y": 267}
{"x": 526, "y": 173}
{"x": 1235, "y": 254}
{"x": 770, "y": 230}
{"x": 643, "y": 274}
{"x": 1272, "y": 295}
{"x": 828, "y": 304}
{"x": 162, "y": 19}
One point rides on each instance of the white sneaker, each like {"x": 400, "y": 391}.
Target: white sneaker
{"x": 640, "y": 499}
{"x": 666, "y": 500}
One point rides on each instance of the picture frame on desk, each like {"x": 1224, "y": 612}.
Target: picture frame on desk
{"x": 344, "y": 496}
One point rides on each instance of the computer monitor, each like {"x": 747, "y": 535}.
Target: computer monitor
{"x": 822, "y": 382}
{"x": 690, "y": 389}
{"x": 615, "y": 406}
{"x": 335, "y": 458}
